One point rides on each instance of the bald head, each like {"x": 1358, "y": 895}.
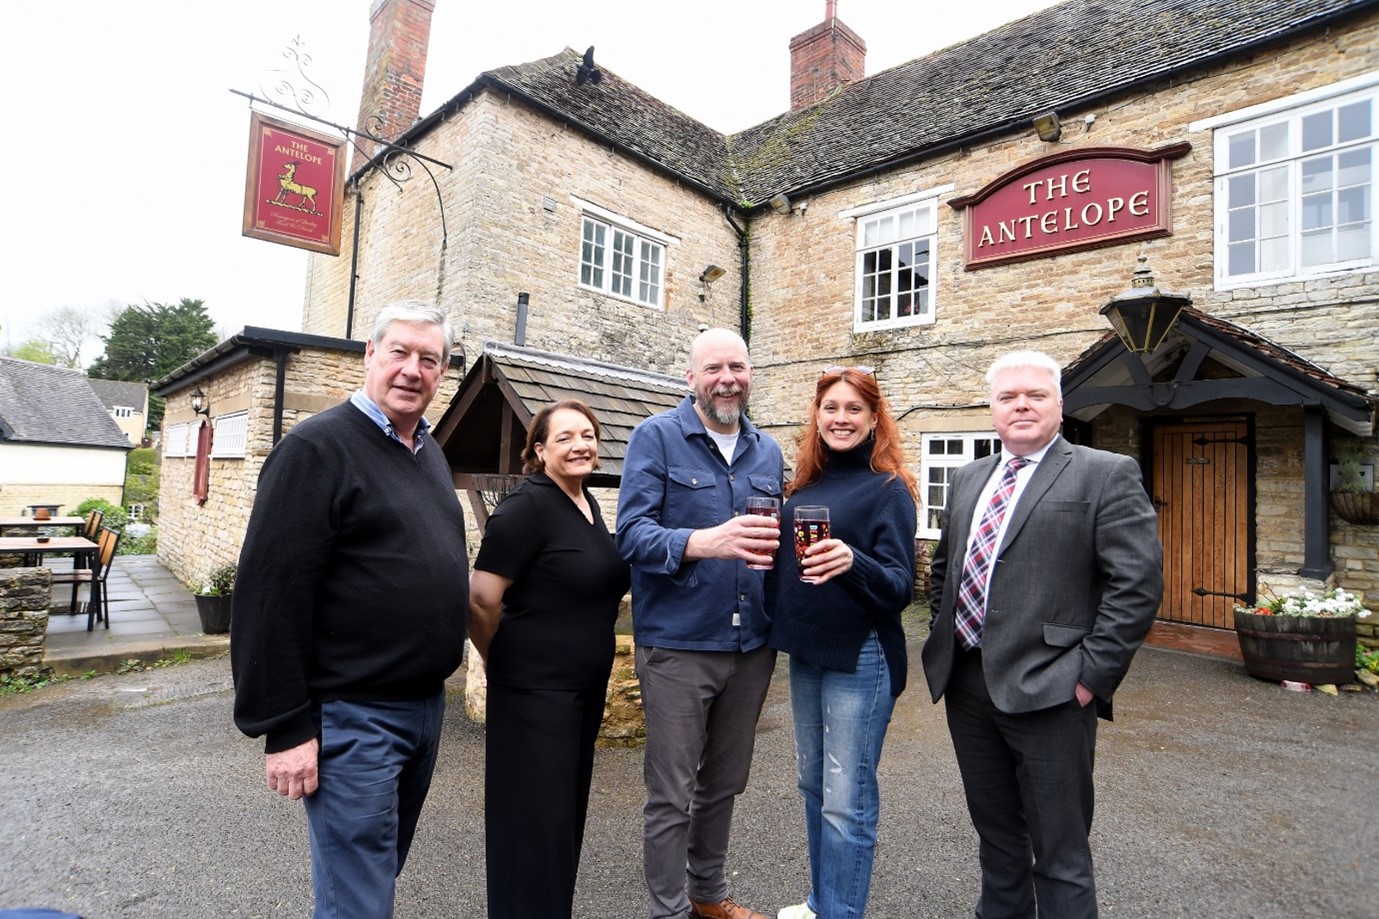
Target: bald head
{"x": 715, "y": 338}
{"x": 720, "y": 376}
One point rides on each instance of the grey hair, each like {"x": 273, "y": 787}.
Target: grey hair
{"x": 1019, "y": 360}
{"x": 417, "y": 312}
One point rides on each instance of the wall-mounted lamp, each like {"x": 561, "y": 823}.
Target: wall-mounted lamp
{"x": 1144, "y": 314}
{"x": 200, "y": 404}
{"x": 1048, "y": 127}
{"x": 711, "y": 273}
{"x": 780, "y": 203}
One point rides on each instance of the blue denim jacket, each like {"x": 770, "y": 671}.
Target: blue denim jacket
{"x": 674, "y": 481}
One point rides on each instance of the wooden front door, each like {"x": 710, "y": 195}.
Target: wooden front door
{"x": 1200, "y": 486}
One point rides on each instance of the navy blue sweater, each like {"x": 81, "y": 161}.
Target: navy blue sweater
{"x": 353, "y": 580}
{"x": 825, "y": 624}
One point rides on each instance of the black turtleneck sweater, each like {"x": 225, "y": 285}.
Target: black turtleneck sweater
{"x": 825, "y": 624}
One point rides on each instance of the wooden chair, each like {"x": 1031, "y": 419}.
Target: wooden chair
{"x": 92, "y": 525}
{"x": 99, "y": 605}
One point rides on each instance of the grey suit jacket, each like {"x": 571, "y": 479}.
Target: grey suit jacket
{"x": 1077, "y": 582}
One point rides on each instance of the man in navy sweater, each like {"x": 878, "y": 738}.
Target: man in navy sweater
{"x": 349, "y": 614}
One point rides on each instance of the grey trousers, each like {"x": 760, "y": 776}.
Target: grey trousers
{"x": 701, "y": 717}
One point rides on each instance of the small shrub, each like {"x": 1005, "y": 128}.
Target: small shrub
{"x": 219, "y": 582}
{"x": 115, "y": 516}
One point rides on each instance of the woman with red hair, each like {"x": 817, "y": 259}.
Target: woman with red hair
{"x": 837, "y": 614}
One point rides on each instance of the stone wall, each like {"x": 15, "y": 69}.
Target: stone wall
{"x": 24, "y": 597}
{"x": 513, "y": 226}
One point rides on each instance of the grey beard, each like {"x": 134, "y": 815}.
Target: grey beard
{"x": 724, "y": 416}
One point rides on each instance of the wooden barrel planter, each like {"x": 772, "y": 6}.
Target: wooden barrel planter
{"x": 1305, "y": 649}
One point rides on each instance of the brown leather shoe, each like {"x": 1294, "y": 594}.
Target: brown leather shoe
{"x": 725, "y": 909}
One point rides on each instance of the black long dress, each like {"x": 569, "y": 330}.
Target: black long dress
{"x": 548, "y": 670}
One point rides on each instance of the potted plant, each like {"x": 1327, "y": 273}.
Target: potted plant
{"x": 213, "y": 600}
{"x": 1301, "y": 637}
{"x": 1353, "y": 497}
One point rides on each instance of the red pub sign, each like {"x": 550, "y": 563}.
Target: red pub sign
{"x": 295, "y": 187}
{"x": 1070, "y": 200}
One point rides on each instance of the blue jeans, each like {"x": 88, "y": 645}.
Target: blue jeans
{"x": 375, "y": 769}
{"x": 840, "y": 723}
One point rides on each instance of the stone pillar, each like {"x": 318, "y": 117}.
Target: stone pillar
{"x": 25, "y": 594}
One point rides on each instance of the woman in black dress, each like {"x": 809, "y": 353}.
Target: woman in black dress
{"x": 543, "y": 599}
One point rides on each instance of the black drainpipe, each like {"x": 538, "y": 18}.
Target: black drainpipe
{"x": 354, "y": 275}
{"x": 278, "y": 391}
{"x": 744, "y": 319}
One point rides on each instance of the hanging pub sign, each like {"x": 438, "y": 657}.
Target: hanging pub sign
{"x": 1070, "y": 200}
{"x": 294, "y": 190}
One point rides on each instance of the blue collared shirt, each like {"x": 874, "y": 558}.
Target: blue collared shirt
{"x": 370, "y": 407}
{"x": 674, "y": 482}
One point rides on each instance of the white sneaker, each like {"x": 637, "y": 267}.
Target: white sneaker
{"x": 798, "y": 911}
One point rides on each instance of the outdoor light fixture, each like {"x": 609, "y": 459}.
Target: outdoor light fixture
{"x": 200, "y": 405}
{"x": 711, "y": 273}
{"x": 1143, "y": 315}
{"x": 780, "y": 203}
{"x": 1048, "y": 127}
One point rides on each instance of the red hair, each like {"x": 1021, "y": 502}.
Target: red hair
{"x": 886, "y": 455}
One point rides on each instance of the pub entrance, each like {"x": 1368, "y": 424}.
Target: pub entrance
{"x": 1201, "y": 470}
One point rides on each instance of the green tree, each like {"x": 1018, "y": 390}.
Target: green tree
{"x": 39, "y": 352}
{"x": 150, "y": 341}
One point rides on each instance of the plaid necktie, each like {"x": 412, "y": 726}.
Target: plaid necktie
{"x": 971, "y": 603}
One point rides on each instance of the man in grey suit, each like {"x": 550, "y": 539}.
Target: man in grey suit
{"x": 1046, "y": 579}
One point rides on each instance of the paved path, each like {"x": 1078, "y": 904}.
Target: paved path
{"x": 152, "y": 615}
{"x": 1219, "y": 796}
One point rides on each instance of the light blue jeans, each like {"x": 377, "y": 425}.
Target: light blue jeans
{"x": 840, "y": 724}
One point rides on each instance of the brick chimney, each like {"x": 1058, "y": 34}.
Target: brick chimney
{"x": 823, "y": 58}
{"x": 399, "y": 31}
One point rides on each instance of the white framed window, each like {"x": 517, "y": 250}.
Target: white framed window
{"x": 136, "y": 512}
{"x": 231, "y": 436}
{"x": 620, "y": 257}
{"x": 180, "y": 440}
{"x": 123, "y": 411}
{"x": 1294, "y": 189}
{"x": 897, "y": 248}
{"x": 944, "y": 454}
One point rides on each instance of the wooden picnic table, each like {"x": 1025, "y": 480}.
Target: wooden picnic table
{"x": 34, "y": 522}
{"x": 81, "y": 548}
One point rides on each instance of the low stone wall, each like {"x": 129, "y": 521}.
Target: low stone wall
{"x": 623, "y": 722}
{"x": 24, "y": 597}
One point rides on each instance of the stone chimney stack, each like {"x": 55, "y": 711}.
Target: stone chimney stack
{"x": 823, "y": 58}
{"x": 399, "y": 31}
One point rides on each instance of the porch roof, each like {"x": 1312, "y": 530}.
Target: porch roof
{"x": 484, "y": 429}
{"x": 1245, "y": 365}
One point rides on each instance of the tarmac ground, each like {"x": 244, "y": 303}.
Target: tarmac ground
{"x": 1219, "y": 795}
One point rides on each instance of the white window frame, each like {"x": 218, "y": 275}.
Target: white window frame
{"x": 178, "y": 440}
{"x": 881, "y": 228}
{"x": 624, "y": 259}
{"x": 1283, "y": 167}
{"x": 937, "y": 467}
{"x": 123, "y": 411}
{"x": 231, "y": 436}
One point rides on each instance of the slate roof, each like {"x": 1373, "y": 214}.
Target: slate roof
{"x": 114, "y": 393}
{"x": 45, "y": 405}
{"x": 1064, "y": 57}
{"x": 621, "y": 397}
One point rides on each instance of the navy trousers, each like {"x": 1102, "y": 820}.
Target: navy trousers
{"x": 375, "y": 769}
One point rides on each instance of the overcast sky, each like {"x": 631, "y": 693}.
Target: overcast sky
{"x": 123, "y": 175}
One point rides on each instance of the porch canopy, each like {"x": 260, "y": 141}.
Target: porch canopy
{"x": 485, "y": 427}
{"x": 1205, "y": 359}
